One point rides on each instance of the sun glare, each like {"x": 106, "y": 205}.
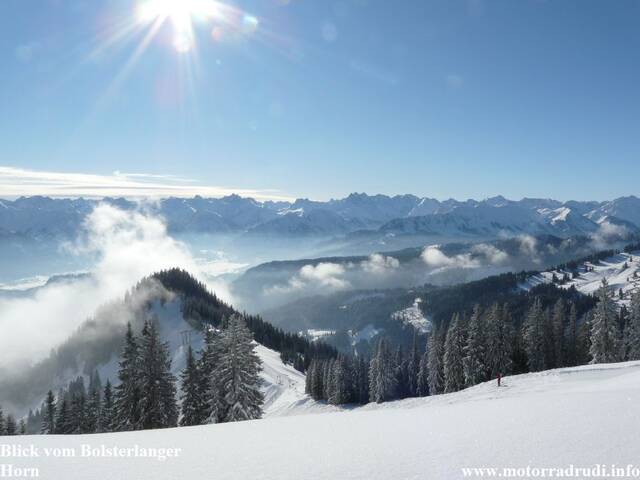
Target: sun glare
{"x": 182, "y": 14}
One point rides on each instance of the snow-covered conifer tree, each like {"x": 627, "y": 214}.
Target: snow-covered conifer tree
{"x": 49, "y": 424}
{"x": 435, "y": 353}
{"x": 475, "y": 368}
{"x": 238, "y": 373}
{"x": 453, "y": 355}
{"x": 382, "y": 374}
{"x": 127, "y": 392}
{"x": 604, "y": 328}
{"x": 500, "y": 338}
{"x": 533, "y": 337}
{"x": 158, "y": 407}
{"x": 423, "y": 375}
{"x": 194, "y": 406}
{"x": 107, "y": 409}
{"x": 632, "y": 332}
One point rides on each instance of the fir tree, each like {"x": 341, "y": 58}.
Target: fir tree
{"x": 238, "y": 373}
{"x": 533, "y": 337}
{"x": 571, "y": 338}
{"x": 2, "y": 422}
{"x": 108, "y": 409}
{"x": 500, "y": 340}
{"x": 210, "y": 387}
{"x": 63, "y": 418}
{"x": 49, "y": 424}
{"x": 559, "y": 321}
{"x": 423, "y": 375}
{"x": 127, "y": 392}
{"x": 158, "y": 407}
{"x": 194, "y": 406}
{"x": 453, "y": 355}
{"x": 94, "y": 400}
{"x": 22, "y": 427}
{"x": 604, "y": 328}
{"x": 475, "y": 368}
{"x": 632, "y": 332}
{"x": 340, "y": 378}
{"x": 382, "y": 374}
{"x": 413, "y": 367}
{"x": 435, "y": 352}
{"x": 11, "y": 428}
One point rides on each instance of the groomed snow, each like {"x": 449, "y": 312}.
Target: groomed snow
{"x": 580, "y": 416}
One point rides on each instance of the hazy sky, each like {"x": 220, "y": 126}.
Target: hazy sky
{"x": 321, "y": 98}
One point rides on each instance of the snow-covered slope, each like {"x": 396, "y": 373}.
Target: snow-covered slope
{"x": 582, "y": 416}
{"x": 622, "y": 272}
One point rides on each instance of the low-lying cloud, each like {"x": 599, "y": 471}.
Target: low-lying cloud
{"x": 127, "y": 246}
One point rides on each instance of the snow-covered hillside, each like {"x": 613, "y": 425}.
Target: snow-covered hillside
{"x": 574, "y": 416}
{"x": 622, "y": 272}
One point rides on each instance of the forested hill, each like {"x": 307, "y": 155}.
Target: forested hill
{"x": 200, "y": 307}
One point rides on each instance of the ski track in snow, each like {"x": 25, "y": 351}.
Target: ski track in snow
{"x": 581, "y": 416}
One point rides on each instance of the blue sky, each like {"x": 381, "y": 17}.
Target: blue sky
{"x": 321, "y": 98}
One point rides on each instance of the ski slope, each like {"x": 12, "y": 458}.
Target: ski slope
{"x": 622, "y": 271}
{"x": 581, "y": 416}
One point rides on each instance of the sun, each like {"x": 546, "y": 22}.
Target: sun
{"x": 182, "y": 14}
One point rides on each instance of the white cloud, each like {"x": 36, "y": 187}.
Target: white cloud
{"x": 378, "y": 264}
{"x": 435, "y": 258}
{"x": 494, "y": 255}
{"x": 15, "y": 182}
{"x": 608, "y": 233}
{"x": 127, "y": 247}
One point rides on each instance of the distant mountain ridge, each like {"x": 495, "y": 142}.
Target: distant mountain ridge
{"x": 357, "y": 214}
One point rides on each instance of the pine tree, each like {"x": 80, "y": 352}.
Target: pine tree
{"x": 571, "y": 338}
{"x": 558, "y": 321}
{"x": 475, "y": 368}
{"x": 107, "y": 417}
{"x": 382, "y": 374}
{"x": 239, "y": 373}
{"x": 210, "y": 387}
{"x": 158, "y": 407}
{"x": 453, "y": 355}
{"x": 500, "y": 340}
{"x": 194, "y": 406}
{"x": 340, "y": 391}
{"x": 94, "y": 400}
{"x": 63, "y": 417}
{"x": 604, "y": 328}
{"x": 423, "y": 375}
{"x": 413, "y": 368}
{"x": 127, "y": 392}
{"x": 533, "y": 337}
{"x": 22, "y": 427}
{"x": 11, "y": 428}
{"x": 402, "y": 381}
{"x": 632, "y": 332}
{"x": 435, "y": 353}
{"x": 362, "y": 380}
{"x": 78, "y": 412}
{"x": 49, "y": 424}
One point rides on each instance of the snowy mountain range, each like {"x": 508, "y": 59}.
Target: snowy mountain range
{"x": 357, "y": 215}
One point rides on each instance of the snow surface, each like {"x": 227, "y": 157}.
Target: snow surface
{"x": 414, "y": 317}
{"x": 612, "y": 268}
{"x": 582, "y": 416}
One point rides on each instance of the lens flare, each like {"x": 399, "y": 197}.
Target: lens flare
{"x": 182, "y": 14}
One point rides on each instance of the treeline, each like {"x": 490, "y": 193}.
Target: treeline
{"x": 483, "y": 345}
{"x": 203, "y": 308}
{"x": 220, "y": 384}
